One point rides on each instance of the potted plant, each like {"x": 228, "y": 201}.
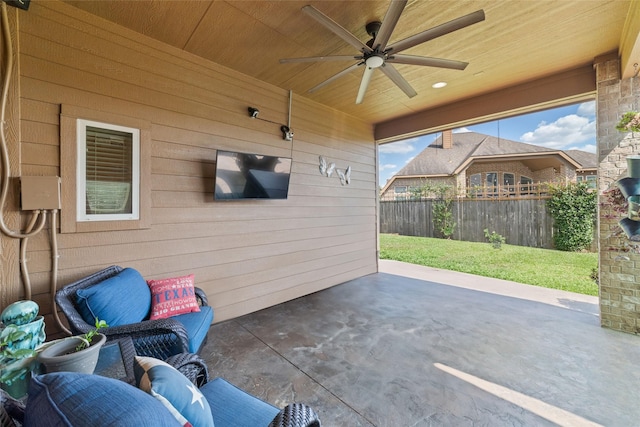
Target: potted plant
{"x": 76, "y": 354}
{"x": 630, "y": 122}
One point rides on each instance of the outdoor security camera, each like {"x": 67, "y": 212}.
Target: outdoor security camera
{"x": 287, "y": 133}
{"x": 253, "y": 112}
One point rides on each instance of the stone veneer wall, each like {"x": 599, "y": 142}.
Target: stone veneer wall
{"x": 619, "y": 271}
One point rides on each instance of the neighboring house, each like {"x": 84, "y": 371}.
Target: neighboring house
{"x": 480, "y": 165}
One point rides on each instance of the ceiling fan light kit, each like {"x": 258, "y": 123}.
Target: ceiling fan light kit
{"x": 374, "y": 61}
{"x": 376, "y": 54}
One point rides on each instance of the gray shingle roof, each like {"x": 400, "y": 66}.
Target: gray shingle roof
{"x": 434, "y": 160}
{"x": 586, "y": 160}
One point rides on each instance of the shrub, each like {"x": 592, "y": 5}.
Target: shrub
{"x": 442, "y": 210}
{"x": 573, "y": 208}
{"x": 496, "y": 240}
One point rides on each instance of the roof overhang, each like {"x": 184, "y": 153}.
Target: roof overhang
{"x": 394, "y": 177}
{"x": 571, "y": 86}
{"x": 534, "y": 161}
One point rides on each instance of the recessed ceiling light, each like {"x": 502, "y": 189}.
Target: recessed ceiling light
{"x": 439, "y": 85}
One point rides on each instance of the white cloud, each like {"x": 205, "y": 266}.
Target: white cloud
{"x": 409, "y": 159}
{"x": 461, "y": 130}
{"x": 587, "y": 109}
{"x": 399, "y": 147}
{"x": 385, "y": 167}
{"x": 591, "y": 148}
{"x": 565, "y": 131}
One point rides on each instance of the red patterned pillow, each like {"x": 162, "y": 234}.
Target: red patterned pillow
{"x": 170, "y": 297}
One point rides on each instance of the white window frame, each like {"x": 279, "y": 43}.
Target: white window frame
{"x": 400, "y": 189}
{"x": 81, "y": 183}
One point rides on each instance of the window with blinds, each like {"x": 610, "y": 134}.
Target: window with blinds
{"x": 108, "y": 172}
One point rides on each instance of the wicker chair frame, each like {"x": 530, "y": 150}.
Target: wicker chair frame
{"x": 160, "y": 338}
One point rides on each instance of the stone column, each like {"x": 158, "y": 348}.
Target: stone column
{"x": 619, "y": 272}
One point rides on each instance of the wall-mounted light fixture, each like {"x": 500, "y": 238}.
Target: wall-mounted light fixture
{"x": 287, "y": 132}
{"x": 253, "y": 112}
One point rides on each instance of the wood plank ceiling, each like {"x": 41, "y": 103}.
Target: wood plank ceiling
{"x": 520, "y": 40}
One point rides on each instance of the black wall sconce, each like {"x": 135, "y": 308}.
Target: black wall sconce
{"x": 287, "y": 132}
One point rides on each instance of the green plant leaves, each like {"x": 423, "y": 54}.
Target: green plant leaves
{"x": 573, "y": 208}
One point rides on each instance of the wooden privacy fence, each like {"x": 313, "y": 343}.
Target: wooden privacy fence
{"x": 523, "y": 222}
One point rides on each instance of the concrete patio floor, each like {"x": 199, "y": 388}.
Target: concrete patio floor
{"x": 416, "y": 346}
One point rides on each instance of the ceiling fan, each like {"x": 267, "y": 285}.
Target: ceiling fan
{"x": 376, "y": 54}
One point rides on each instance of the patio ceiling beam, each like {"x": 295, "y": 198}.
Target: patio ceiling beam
{"x": 562, "y": 88}
{"x": 630, "y": 42}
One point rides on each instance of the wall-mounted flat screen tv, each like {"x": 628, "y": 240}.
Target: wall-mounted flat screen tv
{"x": 251, "y": 176}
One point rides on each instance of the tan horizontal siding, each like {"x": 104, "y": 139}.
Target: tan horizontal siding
{"x": 247, "y": 254}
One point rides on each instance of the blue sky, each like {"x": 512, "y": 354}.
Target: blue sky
{"x": 565, "y": 128}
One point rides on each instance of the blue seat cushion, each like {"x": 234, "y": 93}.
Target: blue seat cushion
{"x": 232, "y": 407}
{"x": 119, "y": 300}
{"x": 197, "y": 325}
{"x": 73, "y": 399}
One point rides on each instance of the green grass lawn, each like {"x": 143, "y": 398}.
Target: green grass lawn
{"x": 569, "y": 271}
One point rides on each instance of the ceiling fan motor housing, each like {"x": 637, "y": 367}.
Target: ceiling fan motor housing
{"x": 373, "y": 28}
{"x": 376, "y": 58}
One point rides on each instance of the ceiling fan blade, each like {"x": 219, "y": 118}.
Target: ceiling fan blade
{"x": 395, "y": 77}
{"x": 389, "y": 23}
{"x": 332, "y": 78}
{"x": 440, "y": 30}
{"x": 364, "y": 83}
{"x": 335, "y": 28}
{"x": 428, "y": 62}
{"x": 321, "y": 59}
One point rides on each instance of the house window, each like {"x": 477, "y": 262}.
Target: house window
{"x": 525, "y": 180}
{"x": 108, "y": 172}
{"x": 591, "y": 181}
{"x": 400, "y": 190}
{"x": 105, "y": 166}
{"x": 492, "y": 183}
{"x": 508, "y": 182}
{"x": 526, "y": 185}
{"x": 475, "y": 185}
{"x": 492, "y": 179}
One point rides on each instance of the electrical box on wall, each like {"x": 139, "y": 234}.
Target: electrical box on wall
{"x": 39, "y": 192}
